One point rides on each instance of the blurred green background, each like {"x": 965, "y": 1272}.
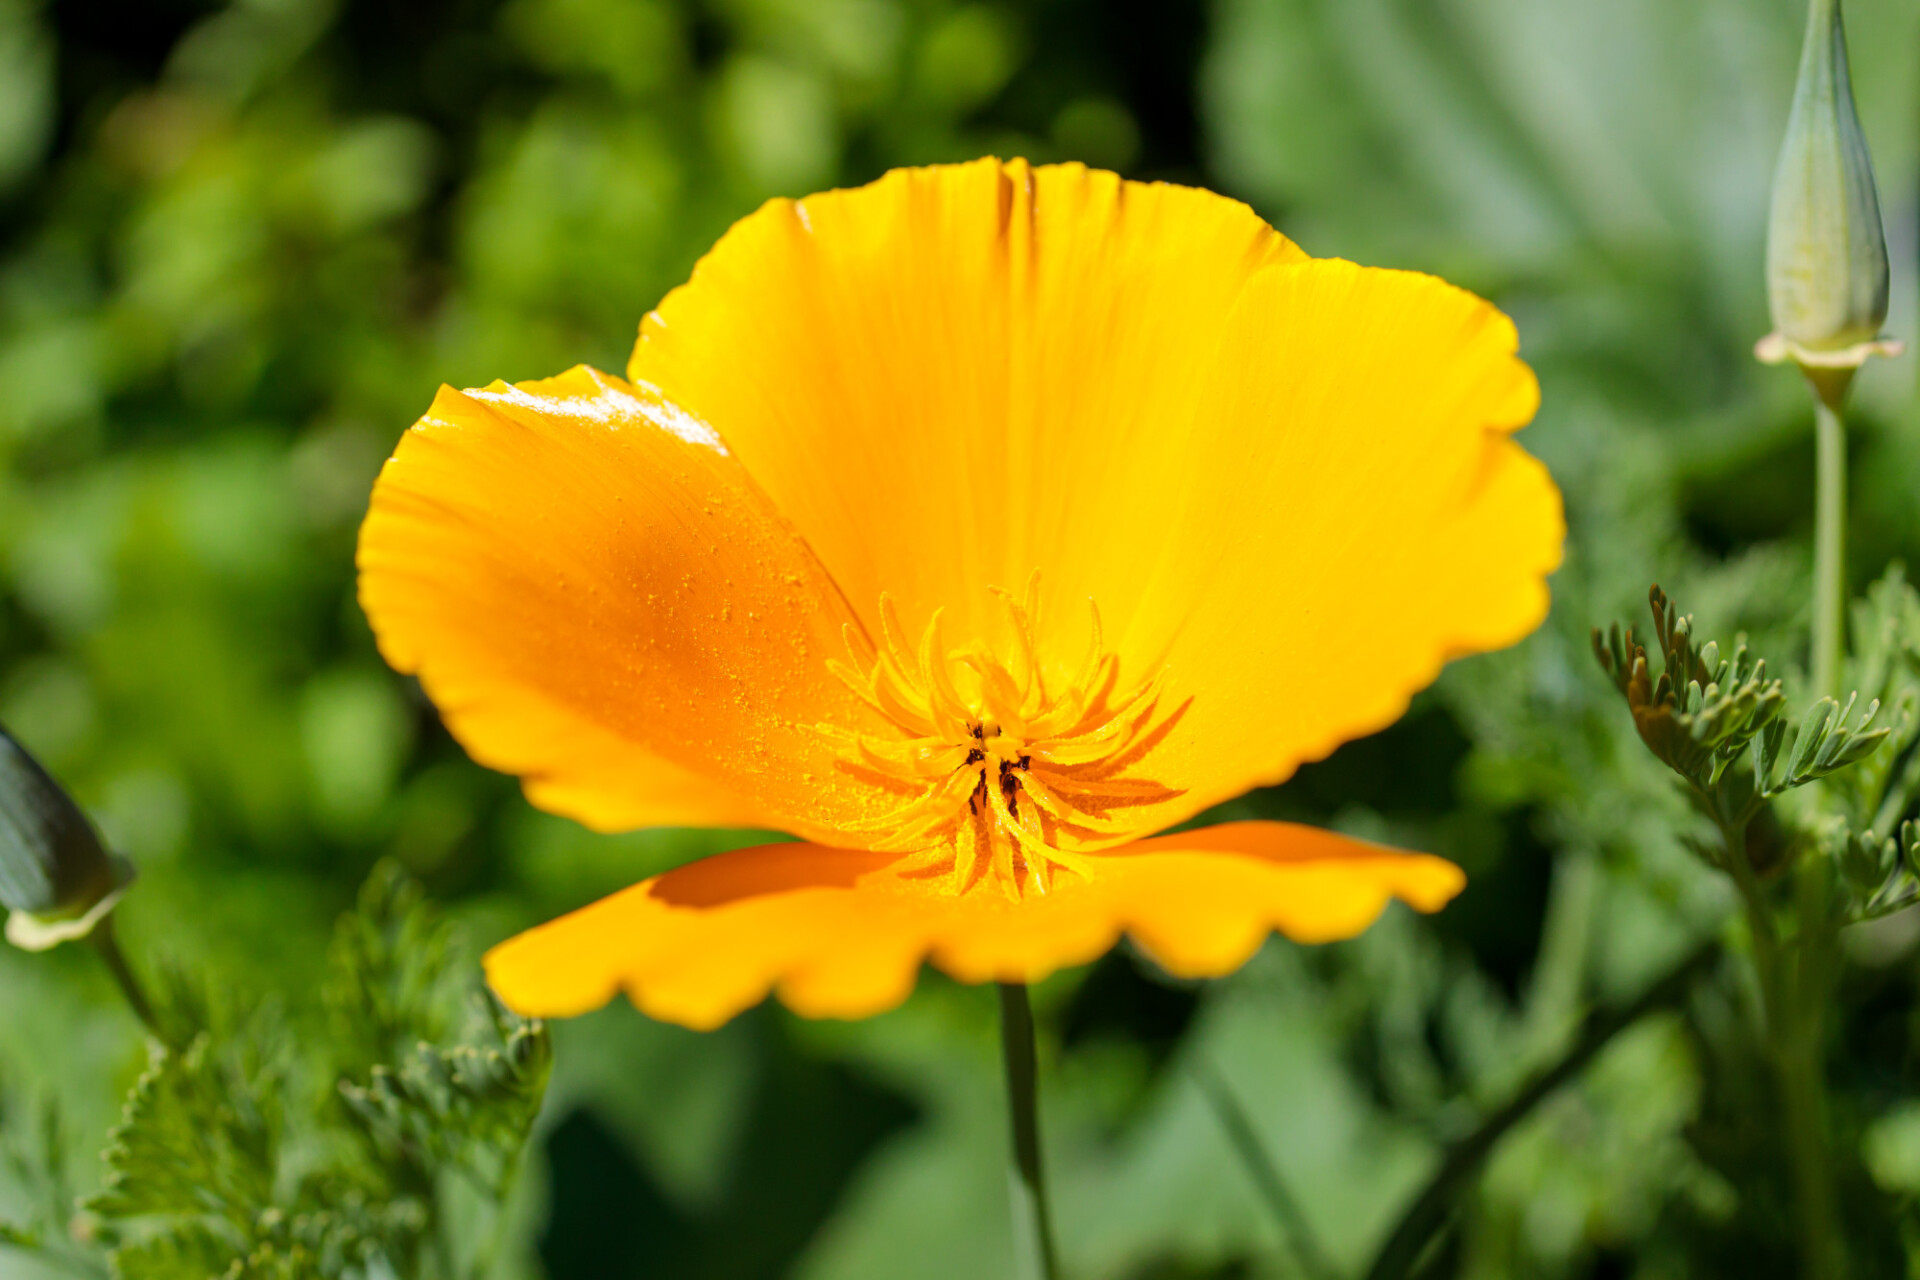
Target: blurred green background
{"x": 241, "y": 244}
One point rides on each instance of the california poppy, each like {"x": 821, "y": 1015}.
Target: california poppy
{"x": 972, "y": 527}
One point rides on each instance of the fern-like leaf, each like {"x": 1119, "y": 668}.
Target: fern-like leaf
{"x": 212, "y": 1173}
{"x": 199, "y": 1137}
{"x": 1828, "y": 740}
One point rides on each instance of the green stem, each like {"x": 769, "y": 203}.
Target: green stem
{"x": 1309, "y": 1257}
{"x": 1792, "y": 979}
{"x": 1032, "y": 1223}
{"x": 1829, "y": 549}
{"x": 1796, "y": 999}
{"x": 1803, "y": 1088}
{"x": 108, "y": 945}
{"x": 1805, "y": 1115}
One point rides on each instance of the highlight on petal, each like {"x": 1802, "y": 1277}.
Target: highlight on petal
{"x": 842, "y": 933}
{"x": 1286, "y": 484}
{"x": 599, "y": 599}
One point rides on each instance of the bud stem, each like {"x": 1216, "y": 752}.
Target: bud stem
{"x": 108, "y": 945}
{"x": 1829, "y": 549}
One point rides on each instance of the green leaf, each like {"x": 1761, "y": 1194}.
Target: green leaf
{"x": 1880, "y": 875}
{"x": 388, "y": 972}
{"x": 1703, "y": 711}
{"x": 414, "y": 1097}
{"x": 1885, "y": 627}
{"x": 186, "y": 1251}
{"x": 1813, "y": 731}
{"x": 1766, "y": 751}
{"x": 469, "y": 1107}
{"x": 255, "y": 1154}
{"x": 1867, "y": 862}
{"x": 200, "y": 1137}
{"x": 33, "y": 1156}
{"x": 1886, "y": 665}
{"x": 1827, "y": 742}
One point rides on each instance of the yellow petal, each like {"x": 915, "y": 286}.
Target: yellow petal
{"x": 1356, "y": 515}
{"x": 958, "y": 375}
{"x": 842, "y": 933}
{"x": 598, "y": 599}
{"x": 1286, "y": 483}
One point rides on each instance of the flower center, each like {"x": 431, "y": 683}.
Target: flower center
{"x": 998, "y": 766}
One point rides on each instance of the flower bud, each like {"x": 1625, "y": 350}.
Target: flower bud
{"x": 1826, "y": 252}
{"x": 55, "y": 877}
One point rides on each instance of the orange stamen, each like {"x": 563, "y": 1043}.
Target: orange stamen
{"x": 1008, "y": 770}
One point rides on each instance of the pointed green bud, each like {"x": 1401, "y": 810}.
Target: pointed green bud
{"x": 1826, "y": 251}
{"x": 56, "y": 878}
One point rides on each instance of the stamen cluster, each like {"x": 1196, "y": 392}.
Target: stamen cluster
{"x": 1002, "y": 765}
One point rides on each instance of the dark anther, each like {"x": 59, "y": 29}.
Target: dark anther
{"x": 1026, "y": 762}
{"x": 1009, "y": 787}
{"x": 975, "y": 756}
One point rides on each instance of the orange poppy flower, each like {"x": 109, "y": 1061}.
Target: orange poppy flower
{"x": 971, "y": 526}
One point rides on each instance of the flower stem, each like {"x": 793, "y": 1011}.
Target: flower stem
{"x": 1032, "y": 1223}
{"x": 108, "y": 945}
{"x": 1829, "y": 549}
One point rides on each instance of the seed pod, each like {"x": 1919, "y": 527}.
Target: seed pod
{"x": 56, "y": 878}
{"x": 1826, "y": 251}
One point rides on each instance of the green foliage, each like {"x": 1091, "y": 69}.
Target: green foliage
{"x": 201, "y": 1136}
{"x": 263, "y": 1150}
{"x": 1827, "y": 741}
{"x": 1885, "y": 665}
{"x": 1702, "y": 712}
{"x": 241, "y": 244}
{"x": 1721, "y": 724}
{"x": 466, "y": 1108}
{"x": 35, "y": 1173}
{"x": 386, "y": 974}
{"x": 422, "y": 1111}
{"x": 1881, "y": 875}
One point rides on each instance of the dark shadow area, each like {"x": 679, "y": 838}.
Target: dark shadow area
{"x": 811, "y": 1125}
{"x": 1172, "y": 1269}
{"x": 1758, "y": 498}
{"x": 1126, "y": 999}
{"x": 1407, "y": 769}
{"x": 1410, "y": 771}
{"x": 1609, "y": 1264}
{"x": 1138, "y": 52}
{"x": 1499, "y": 916}
{"x": 606, "y": 1214}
